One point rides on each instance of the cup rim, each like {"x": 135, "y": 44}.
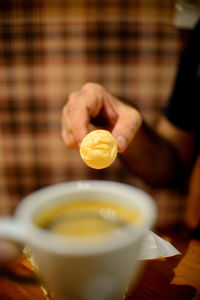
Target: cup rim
{"x": 54, "y": 243}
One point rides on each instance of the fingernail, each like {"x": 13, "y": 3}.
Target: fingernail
{"x": 121, "y": 142}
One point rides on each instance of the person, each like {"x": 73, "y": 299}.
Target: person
{"x": 163, "y": 155}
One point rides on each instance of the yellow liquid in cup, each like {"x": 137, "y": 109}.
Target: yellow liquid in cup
{"x": 86, "y": 218}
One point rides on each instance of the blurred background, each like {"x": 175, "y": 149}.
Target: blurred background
{"x": 50, "y": 48}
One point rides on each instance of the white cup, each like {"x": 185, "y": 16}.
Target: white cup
{"x": 75, "y": 269}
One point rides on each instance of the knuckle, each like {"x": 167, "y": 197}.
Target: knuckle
{"x": 73, "y": 95}
{"x": 92, "y": 86}
{"x": 64, "y": 110}
{"x": 135, "y": 122}
{"x": 137, "y": 117}
{"x": 88, "y": 85}
{"x": 76, "y": 130}
{"x": 64, "y": 137}
{"x": 69, "y": 142}
{"x": 69, "y": 108}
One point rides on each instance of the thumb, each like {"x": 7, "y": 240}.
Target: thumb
{"x": 125, "y": 129}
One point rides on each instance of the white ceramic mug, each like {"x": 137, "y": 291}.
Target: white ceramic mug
{"x": 78, "y": 270}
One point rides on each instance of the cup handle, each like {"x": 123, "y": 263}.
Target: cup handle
{"x": 12, "y": 230}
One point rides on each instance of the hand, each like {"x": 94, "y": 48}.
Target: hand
{"x": 93, "y": 107}
{"x": 8, "y": 251}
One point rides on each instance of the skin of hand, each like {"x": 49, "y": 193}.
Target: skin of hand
{"x": 93, "y": 107}
{"x": 8, "y": 251}
{"x": 159, "y": 155}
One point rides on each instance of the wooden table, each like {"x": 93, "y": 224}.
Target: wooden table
{"x": 175, "y": 278}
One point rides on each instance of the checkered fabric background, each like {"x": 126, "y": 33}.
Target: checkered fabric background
{"x": 50, "y": 48}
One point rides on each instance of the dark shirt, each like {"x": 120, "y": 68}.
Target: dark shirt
{"x": 183, "y": 109}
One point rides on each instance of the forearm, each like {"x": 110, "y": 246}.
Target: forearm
{"x": 152, "y": 158}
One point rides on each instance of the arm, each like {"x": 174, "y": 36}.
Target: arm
{"x": 161, "y": 156}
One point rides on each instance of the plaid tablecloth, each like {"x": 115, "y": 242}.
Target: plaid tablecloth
{"x": 50, "y": 48}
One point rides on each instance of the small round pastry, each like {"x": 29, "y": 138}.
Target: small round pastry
{"x": 98, "y": 149}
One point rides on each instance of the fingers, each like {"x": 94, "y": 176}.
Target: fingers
{"x": 68, "y": 138}
{"x": 81, "y": 108}
{"x": 126, "y": 127}
{"x": 91, "y": 102}
{"x": 74, "y": 121}
{"x": 8, "y": 251}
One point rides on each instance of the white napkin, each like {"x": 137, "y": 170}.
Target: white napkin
{"x": 154, "y": 246}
